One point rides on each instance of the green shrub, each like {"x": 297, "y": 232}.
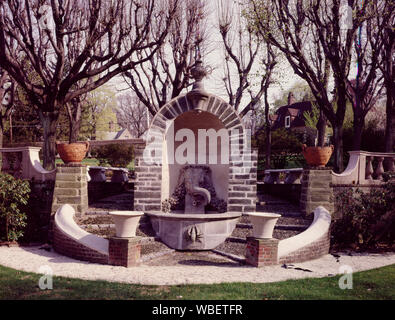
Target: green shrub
{"x": 367, "y": 219}
{"x": 115, "y": 155}
{"x": 14, "y": 195}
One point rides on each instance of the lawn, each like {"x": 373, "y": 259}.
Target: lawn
{"x": 372, "y": 284}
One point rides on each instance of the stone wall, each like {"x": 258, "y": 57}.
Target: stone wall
{"x": 71, "y": 187}
{"x": 316, "y": 190}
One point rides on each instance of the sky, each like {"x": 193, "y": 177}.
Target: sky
{"x": 215, "y": 58}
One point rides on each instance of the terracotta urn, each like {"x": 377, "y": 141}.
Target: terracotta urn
{"x": 72, "y": 152}
{"x": 317, "y": 156}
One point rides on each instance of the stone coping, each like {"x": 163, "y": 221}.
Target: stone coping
{"x": 263, "y": 214}
{"x": 19, "y": 149}
{"x": 108, "y": 168}
{"x": 284, "y": 170}
{"x": 186, "y": 216}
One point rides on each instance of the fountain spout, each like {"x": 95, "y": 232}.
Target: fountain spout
{"x": 196, "y": 197}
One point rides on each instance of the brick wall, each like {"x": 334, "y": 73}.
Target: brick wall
{"x": 314, "y": 250}
{"x": 242, "y": 183}
{"x": 73, "y": 249}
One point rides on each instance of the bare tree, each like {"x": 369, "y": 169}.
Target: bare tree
{"x": 387, "y": 67}
{"x": 366, "y": 89}
{"x": 7, "y": 90}
{"x": 316, "y": 46}
{"x": 244, "y": 50}
{"x": 106, "y": 37}
{"x": 132, "y": 114}
{"x": 167, "y": 72}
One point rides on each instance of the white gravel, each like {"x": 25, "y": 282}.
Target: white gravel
{"x": 30, "y": 259}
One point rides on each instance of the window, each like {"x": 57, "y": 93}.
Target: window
{"x": 287, "y": 121}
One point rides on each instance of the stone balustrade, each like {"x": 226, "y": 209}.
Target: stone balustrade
{"x": 290, "y": 176}
{"x": 24, "y": 163}
{"x": 365, "y": 168}
{"x": 98, "y": 174}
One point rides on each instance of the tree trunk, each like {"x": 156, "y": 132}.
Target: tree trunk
{"x": 390, "y": 124}
{"x": 74, "y": 114}
{"x": 338, "y": 144}
{"x": 268, "y": 146}
{"x": 49, "y": 120}
{"x": 357, "y": 131}
{"x": 321, "y": 128}
{"x": 1, "y": 143}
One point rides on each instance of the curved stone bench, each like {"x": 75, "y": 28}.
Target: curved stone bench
{"x": 72, "y": 241}
{"x": 310, "y": 244}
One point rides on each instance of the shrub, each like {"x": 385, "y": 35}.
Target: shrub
{"x": 115, "y": 155}
{"x": 14, "y": 195}
{"x": 367, "y": 219}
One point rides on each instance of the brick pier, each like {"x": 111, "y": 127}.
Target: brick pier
{"x": 124, "y": 252}
{"x": 261, "y": 252}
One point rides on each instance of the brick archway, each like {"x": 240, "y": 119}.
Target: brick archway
{"x": 242, "y": 172}
{"x": 213, "y": 104}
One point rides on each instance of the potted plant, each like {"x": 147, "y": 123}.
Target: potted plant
{"x": 73, "y": 151}
{"x": 318, "y": 155}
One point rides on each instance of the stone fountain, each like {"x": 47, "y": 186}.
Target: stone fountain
{"x": 194, "y": 217}
{"x": 194, "y": 192}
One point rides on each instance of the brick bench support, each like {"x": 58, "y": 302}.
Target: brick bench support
{"x": 124, "y": 252}
{"x": 261, "y": 252}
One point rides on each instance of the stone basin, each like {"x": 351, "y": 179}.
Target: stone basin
{"x": 126, "y": 222}
{"x": 263, "y": 223}
{"x": 193, "y": 231}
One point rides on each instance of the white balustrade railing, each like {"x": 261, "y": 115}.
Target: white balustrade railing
{"x": 363, "y": 168}
{"x": 24, "y": 163}
{"x": 360, "y": 169}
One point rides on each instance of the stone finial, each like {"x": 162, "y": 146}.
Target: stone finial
{"x": 198, "y": 95}
{"x": 198, "y": 72}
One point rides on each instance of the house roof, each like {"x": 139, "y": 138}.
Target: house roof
{"x": 295, "y": 110}
{"x": 119, "y": 133}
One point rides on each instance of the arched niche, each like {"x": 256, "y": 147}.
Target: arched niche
{"x": 199, "y": 138}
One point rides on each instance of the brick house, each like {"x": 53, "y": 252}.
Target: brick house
{"x": 291, "y": 117}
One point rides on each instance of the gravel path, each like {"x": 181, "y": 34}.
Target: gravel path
{"x": 189, "y": 271}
